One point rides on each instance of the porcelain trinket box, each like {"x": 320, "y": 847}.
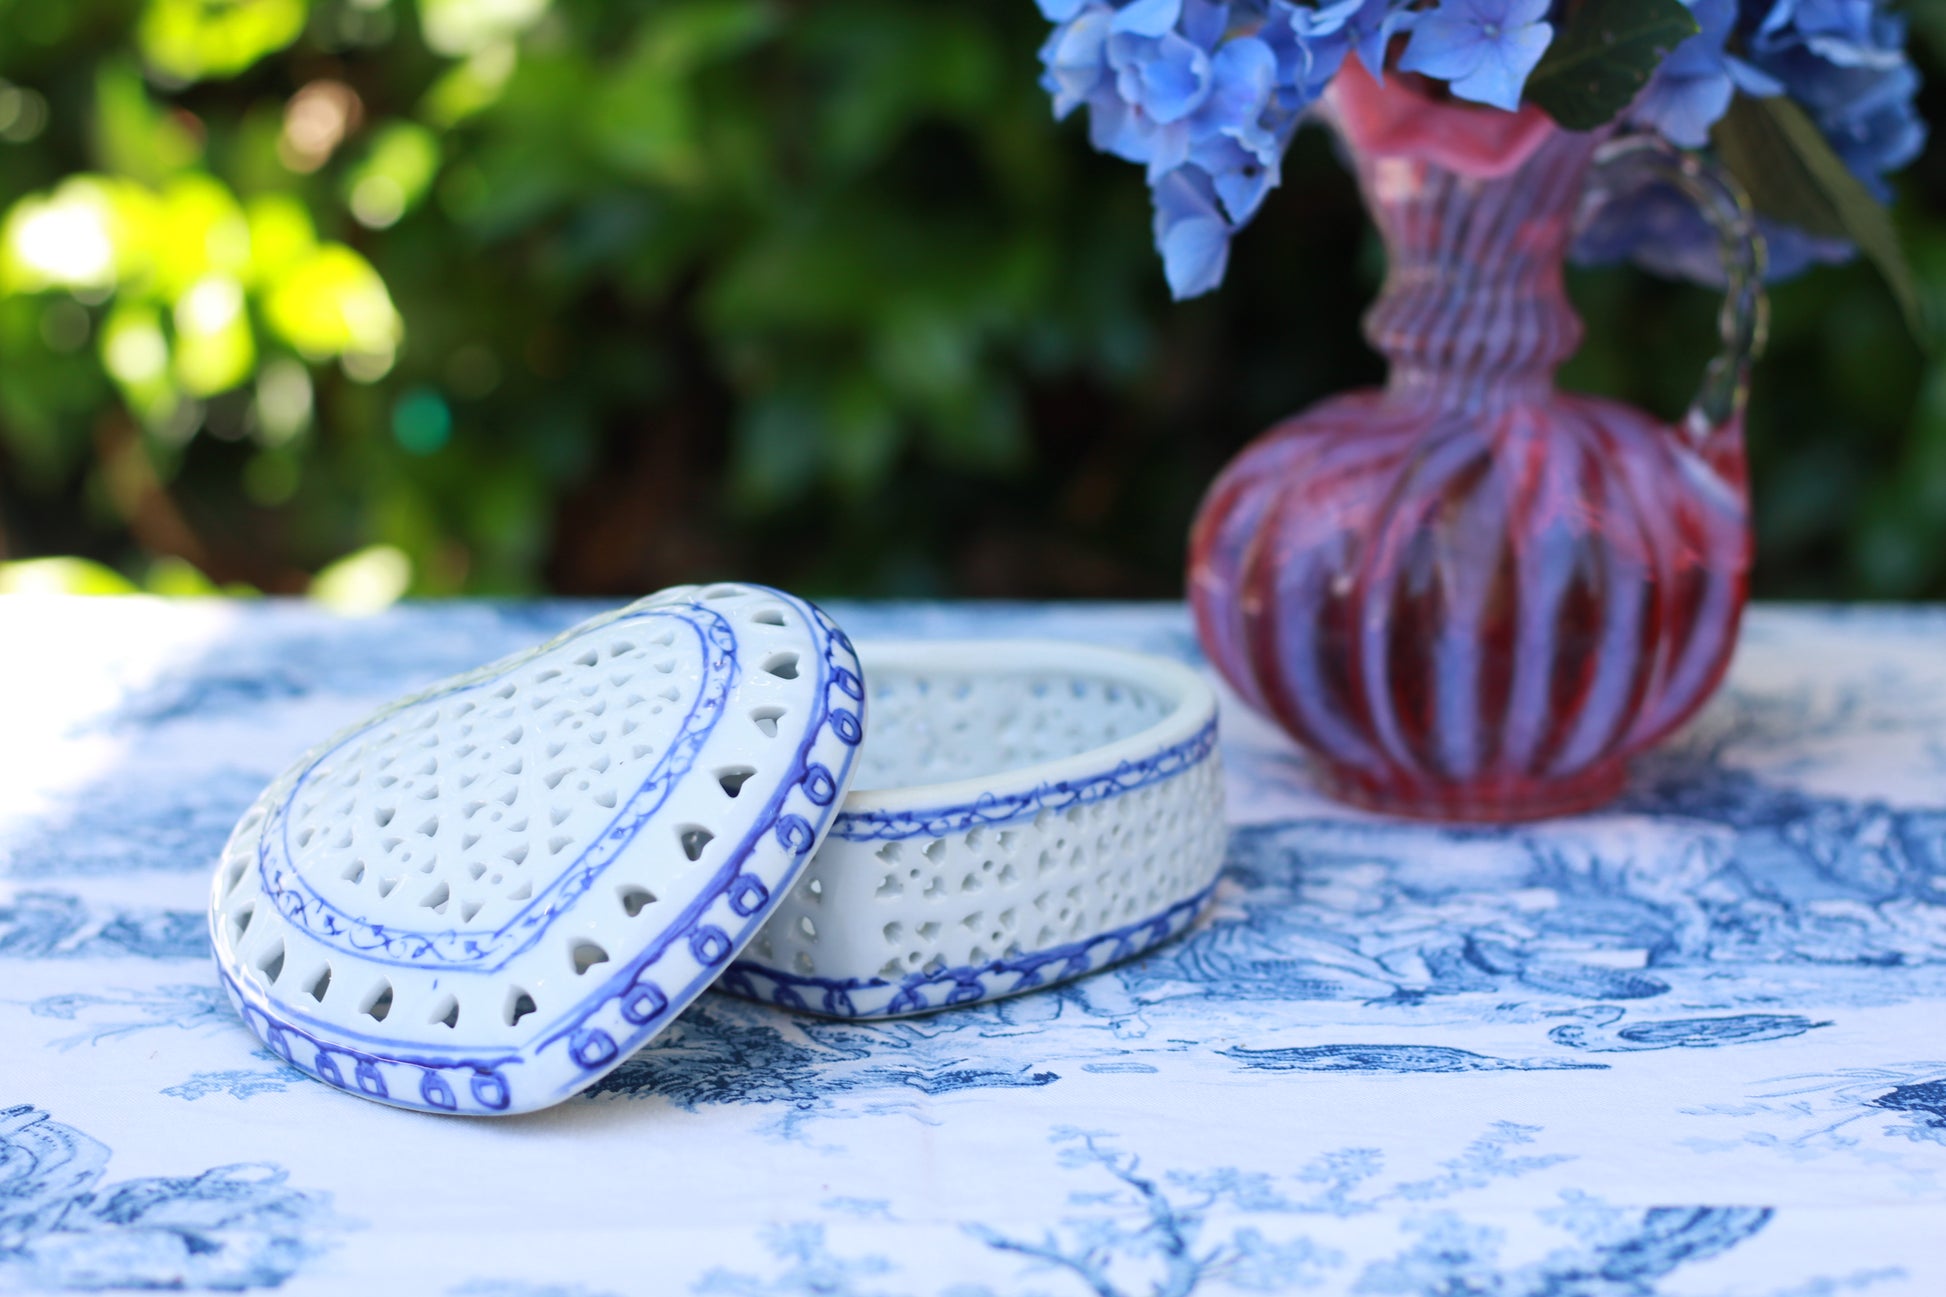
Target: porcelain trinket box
{"x": 487, "y": 895}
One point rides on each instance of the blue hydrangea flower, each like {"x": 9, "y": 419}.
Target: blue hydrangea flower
{"x": 1842, "y": 61}
{"x": 1693, "y": 88}
{"x": 1192, "y": 90}
{"x": 1371, "y": 28}
{"x": 1310, "y": 45}
{"x": 1485, "y": 49}
{"x": 1853, "y": 77}
{"x": 1076, "y": 56}
{"x": 1207, "y": 94}
{"x": 1846, "y": 33}
{"x": 1191, "y": 232}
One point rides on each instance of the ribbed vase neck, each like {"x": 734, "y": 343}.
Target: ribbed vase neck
{"x": 1475, "y": 312}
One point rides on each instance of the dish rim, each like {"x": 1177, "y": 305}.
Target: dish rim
{"x": 1190, "y": 699}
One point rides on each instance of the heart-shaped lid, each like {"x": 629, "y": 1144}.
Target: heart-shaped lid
{"x": 488, "y": 894}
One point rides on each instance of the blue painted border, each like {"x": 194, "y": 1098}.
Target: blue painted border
{"x": 919, "y": 992}
{"x": 374, "y": 1072}
{"x": 1059, "y": 795}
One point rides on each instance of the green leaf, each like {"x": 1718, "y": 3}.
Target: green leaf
{"x": 1794, "y": 176}
{"x": 1603, "y": 56}
{"x": 1754, "y": 146}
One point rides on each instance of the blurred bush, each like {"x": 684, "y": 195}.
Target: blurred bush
{"x": 502, "y": 296}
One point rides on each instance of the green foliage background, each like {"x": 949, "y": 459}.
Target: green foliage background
{"x": 592, "y": 296}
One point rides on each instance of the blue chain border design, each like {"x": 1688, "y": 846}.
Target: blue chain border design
{"x": 635, "y": 1008}
{"x": 989, "y": 811}
{"x": 306, "y": 909}
{"x": 964, "y": 985}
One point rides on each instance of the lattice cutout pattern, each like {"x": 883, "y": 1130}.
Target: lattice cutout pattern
{"x": 448, "y": 815}
{"x": 936, "y": 726}
{"x": 966, "y": 899}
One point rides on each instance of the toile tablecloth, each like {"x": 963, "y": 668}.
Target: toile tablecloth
{"x": 1693, "y": 1045}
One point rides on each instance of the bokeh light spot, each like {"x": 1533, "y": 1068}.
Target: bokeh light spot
{"x": 65, "y": 240}
{"x": 65, "y": 576}
{"x": 316, "y": 122}
{"x": 457, "y": 28}
{"x": 366, "y": 582}
{"x": 377, "y": 202}
{"x": 23, "y": 113}
{"x": 284, "y": 401}
{"x": 422, "y": 422}
{"x": 134, "y": 349}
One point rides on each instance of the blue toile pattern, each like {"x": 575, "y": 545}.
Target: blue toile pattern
{"x": 1688, "y": 1047}
{"x": 229, "y": 1228}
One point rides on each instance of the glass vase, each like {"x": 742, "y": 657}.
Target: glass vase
{"x": 1470, "y": 595}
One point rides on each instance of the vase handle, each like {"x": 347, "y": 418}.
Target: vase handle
{"x": 1744, "y": 322}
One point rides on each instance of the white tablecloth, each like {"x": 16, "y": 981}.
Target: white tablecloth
{"x": 1693, "y": 1045}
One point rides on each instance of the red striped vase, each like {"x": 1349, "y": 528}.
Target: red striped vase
{"x": 1470, "y": 595}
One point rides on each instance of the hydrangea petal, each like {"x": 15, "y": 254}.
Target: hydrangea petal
{"x": 1444, "y": 47}
{"x": 1076, "y": 60}
{"x": 1176, "y": 81}
{"x": 1149, "y": 17}
{"x": 1503, "y": 72}
{"x": 1060, "y": 11}
{"x": 1195, "y": 255}
{"x": 1684, "y": 108}
{"x": 1243, "y": 73}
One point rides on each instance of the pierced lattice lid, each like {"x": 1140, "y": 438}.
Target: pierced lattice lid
{"x": 488, "y": 894}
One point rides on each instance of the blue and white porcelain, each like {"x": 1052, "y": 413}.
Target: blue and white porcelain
{"x": 487, "y": 895}
{"x": 1025, "y": 812}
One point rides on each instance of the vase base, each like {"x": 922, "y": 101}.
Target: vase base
{"x": 1486, "y": 802}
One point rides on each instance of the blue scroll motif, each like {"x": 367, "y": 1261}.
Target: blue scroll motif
{"x": 1135, "y": 1229}
{"x": 941, "y": 821}
{"x": 1816, "y": 1115}
{"x": 1925, "y": 1100}
{"x": 1764, "y": 880}
{"x": 237, "y": 1082}
{"x": 1683, "y": 1033}
{"x": 299, "y": 902}
{"x": 1393, "y": 1059}
{"x": 965, "y": 984}
{"x": 114, "y": 1014}
{"x": 230, "y": 1228}
{"x": 717, "y": 1054}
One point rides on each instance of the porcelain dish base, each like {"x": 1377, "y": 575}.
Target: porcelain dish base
{"x": 1024, "y": 813}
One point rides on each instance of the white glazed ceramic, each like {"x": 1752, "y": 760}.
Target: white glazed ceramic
{"x": 1024, "y": 813}
{"x": 488, "y": 894}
